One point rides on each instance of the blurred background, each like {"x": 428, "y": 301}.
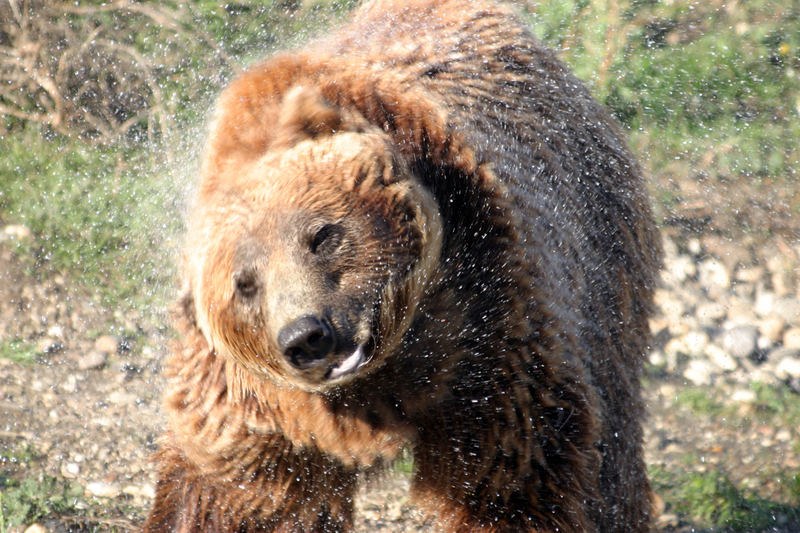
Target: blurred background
{"x": 102, "y": 114}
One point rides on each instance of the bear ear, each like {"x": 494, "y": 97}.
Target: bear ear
{"x": 305, "y": 114}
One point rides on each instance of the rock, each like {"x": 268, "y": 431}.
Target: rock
{"x": 788, "y": 364}
{"x": 146, "y": 491}
{"x": 765, "y": 302}
{"x": 783, "y": 283}
{"x": 711, "y": 313}
{"x": 788, "y": 309}
{"x": 720, "y": 358}
{"x": 699, "y": 372}
{"x": 107, "y": 344}
{"x": 70, "y": 470}
{"x": 93, "y": 360}
{"x": 751, "y": 274}
{"x": 36, "y": 528}
{"x": 17, "y": 232}
{"x": 696, "y": 342}
{"x": 743, "y": 396}
{"x": 100, "y": 489}
{"x": 791, "y": 338}
{"x": 714, "y": 275}
{"x": 55, "y": 331}
{"x": 740, "y": 341}
{"x": 772, "y": 328}
{"x": 694, "y": 246}
{"x": 740, "y": 311}
{"x": 669, "y": 304}
{"x": 679, "y": 269}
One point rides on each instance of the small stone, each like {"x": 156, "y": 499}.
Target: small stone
{"x": 670, "y": 248}
{"x": 788, "y": 309}
{"x": 145, "y": 491}
{"x": 750, "y": 274}
{"x": 36, "y": 528}
{"x": 70, "y": 470}
{"x": 658, "y": 359}
{"x": 740, "y": 341}
{"x": 17, "y": 231}
{"x": 743, "y": 396}
{"x": 783, "y": 282}
{"x": 740, "y": 311}
{"x": 714, "y": 274}
{"x": 121, "y": 398}
{"x": 675, "y": 347}
{"x": 711, "y": 313}
{"x": 669, "y": 304}
{"x": 107, "y": 344}
{"x": 788, "y": 366}
{"x": 765, "y": 302}
{"x": 679, "y": 269}
{"x": 791, "y": 338}
{"x": 696, "y": 342}
{"x": 764, "y": 344}
{"x": 694, "y": 246}
{"x": 772, "y": 328}
{"x": 699, "y": 372}
{"x": 102, "y": 490}
{"x": 720, "y": 358}
{"x": 92, "y": 360}
{"x": 55, "y": 331}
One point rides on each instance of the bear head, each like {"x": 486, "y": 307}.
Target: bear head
{"x": 308, "y": 262}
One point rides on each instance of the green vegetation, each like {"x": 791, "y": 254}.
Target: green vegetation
{"x": 17, "y": 350}
{"x": 712, "y": 500}
{"x": 103, "y": 216}
{"x": 26, "y": 500}
{"x": 33, "y": 498}
{"x": 715, "y": 85}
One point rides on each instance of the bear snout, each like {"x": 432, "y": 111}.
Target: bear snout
{"x": 306, "y": 341}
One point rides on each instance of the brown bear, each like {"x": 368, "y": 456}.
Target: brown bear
{"x": 421, "y": 233}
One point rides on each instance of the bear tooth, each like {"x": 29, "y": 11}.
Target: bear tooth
{"x": 349, "y": 364}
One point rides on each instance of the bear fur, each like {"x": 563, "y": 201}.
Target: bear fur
{"x": 420, "y": 233}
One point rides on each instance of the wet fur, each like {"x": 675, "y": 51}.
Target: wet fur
{"x": 512, "y": 348}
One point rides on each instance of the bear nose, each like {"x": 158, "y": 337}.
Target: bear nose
{"x": 305, "y": 341}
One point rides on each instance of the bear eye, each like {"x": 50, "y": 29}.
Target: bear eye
{"x": 326, "y": 239}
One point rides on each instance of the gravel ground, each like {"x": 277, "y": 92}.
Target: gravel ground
{"x": 87, "y": 406}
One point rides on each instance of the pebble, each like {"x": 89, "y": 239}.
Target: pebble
{"x": 696, "y": 342}
{"x": 93, "y": 360}
{"x": 740, "y": 341}
{"x": 714, "y": 275}
{"x": 720, "y": 358}
{"x": 16, "y": 231}
{"x": 788, "y": 366}
{"x": 680, "y": 269}
{"x": 106, "y": 344}
{"x": 743, "y": 396}
{"x": 772, "y": 328}
{"x": 36, "y": 528}
{"x": 70, "y": 470}
{"x": 788, "y": 309}
{"x": 147, "y": 491}
{"x": 791, "y": 338}
{"x": 700, "y": 372}
{"x": 100, "y": 489}
{"x": 711, "y": 313}
{"x": 751, "y": 274}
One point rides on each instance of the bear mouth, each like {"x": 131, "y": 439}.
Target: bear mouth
{"x": 350, "y": 365}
